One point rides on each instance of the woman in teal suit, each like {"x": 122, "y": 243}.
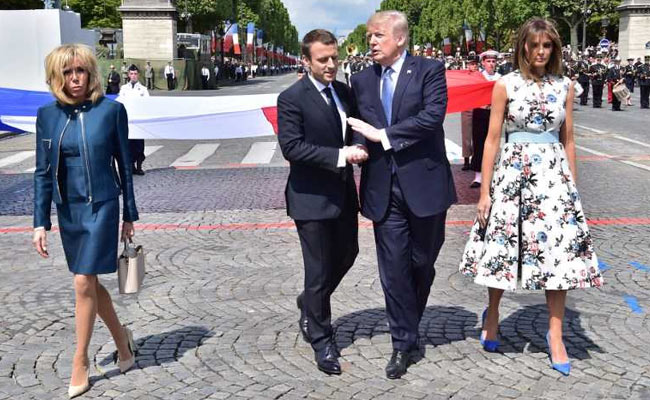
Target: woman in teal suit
{"x": 80, "y": 138}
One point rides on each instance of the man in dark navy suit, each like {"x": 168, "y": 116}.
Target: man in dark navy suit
{"x": 406, "y": 184}
{"x": 321, "y": 194}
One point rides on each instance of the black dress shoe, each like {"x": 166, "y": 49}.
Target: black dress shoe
{"x": 465, "y": 167}
{"x": 475, "y": 185}
{"x": 303, "y": 323}
{"x": 398, "y": 364}
{"x": 327, "y": 360}
{"x": 138, "y": 172}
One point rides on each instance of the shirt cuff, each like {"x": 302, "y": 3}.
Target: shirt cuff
{"x": 39, "y": 228}
{"x": 384, "y": 140}
{"x": 341, "y": 161}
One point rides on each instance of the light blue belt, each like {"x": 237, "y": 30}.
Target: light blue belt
{"x": 533, "y": 137}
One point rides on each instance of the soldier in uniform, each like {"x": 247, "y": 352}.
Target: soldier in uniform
{"x": 629, "y": 73}
{"x": 583, "y": 79}
{"x": 134, "y": 89}
{"x": 643, "y": 73}
{"x": 597, "y": 73}
{"x": 125, "y": 72}
{"x": 113, "y": 81}
{"x": 615, "y": 76}
{"x": 148, "y": 75}
{"x": 507, "y": 66}
{"x": 466, "y": 120}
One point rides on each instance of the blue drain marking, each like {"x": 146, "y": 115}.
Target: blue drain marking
{"x": 640, "y": 266}
{"x": 633, "y": 303}
{"x": 603, "y": 266}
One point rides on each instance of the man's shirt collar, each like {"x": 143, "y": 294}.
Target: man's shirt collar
{"x": 397, "y": 65}
{"x": 319, "y": 86}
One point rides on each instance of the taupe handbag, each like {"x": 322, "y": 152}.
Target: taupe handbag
{"x": 130, "y": 268}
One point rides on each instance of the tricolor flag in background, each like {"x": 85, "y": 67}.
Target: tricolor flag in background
{"x": 469, "y": 38}
{"x": 213, "y": 42}
{"x": 446, "y": 46}
{"x": 250, "y": 34}
{"x": 235, "y": 39}
{"x": 260, "y": 37}
{"x": 227, "y": 45}
{"x": 481, "y": 41}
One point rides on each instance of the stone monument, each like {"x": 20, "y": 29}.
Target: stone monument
{"x": 149, "y": 29}
{"x": 634, "y": 29}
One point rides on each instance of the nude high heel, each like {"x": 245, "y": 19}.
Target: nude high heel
{"x": 74, "y": 391}
{"x": 126, "y": 364}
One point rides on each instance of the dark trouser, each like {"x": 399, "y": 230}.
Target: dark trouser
{"x": 149, "y": 83}
{"x": 136, "y": 148}
{"x": 616, "y": 103}
{"x": 480, "y": 125}
{"x": 645, "y": 94}
{"x": 170, "y": 82}
{"x": 204, "y": 82}
{"x": 629, "y": 82}
{"x": 329, "y": 248}
{"x": 407, "y": 248}
{"x": 585, "y": 94}
{"x": 598, "y": 94}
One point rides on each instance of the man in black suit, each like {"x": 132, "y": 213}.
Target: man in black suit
{"x": 406, "y": 184}
{"x": 321, "y": 193}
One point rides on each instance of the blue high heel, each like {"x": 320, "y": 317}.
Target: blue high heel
{"x": 564, "y": 368}
{"x": 491, "y": 346}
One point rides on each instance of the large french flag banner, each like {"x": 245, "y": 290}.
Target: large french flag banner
{"x": 218, "y": 117}
{"x": 469, "y": 37}
{"x": 235, "y": 39}
{"x": 447, "y": 46}
{"x": 260, "y": 37}
{"x": 250, "y": 34}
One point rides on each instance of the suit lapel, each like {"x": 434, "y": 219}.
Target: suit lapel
{"x": 402, "y": 82}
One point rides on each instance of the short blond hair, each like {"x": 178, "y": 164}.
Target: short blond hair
{"x": 62, "y": 57}
{"x": 534, "y": 27}
{"x": 398, "y": 20}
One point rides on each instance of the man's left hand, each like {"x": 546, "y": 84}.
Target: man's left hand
{"x": 368, "y": 131}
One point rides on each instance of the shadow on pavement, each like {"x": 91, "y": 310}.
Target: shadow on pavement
{"x": 161, "y": 348}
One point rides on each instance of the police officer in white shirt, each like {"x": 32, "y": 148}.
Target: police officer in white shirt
{"x": 170, "y": 75}
{"x": 205, "y": 77}
{"x": 134, "y": 89}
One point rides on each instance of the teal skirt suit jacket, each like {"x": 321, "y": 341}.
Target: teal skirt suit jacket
{"x": 79, "y": 151}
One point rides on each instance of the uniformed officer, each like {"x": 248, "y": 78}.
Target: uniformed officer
{"x": 134, "y": 89}
{"x": 629, "y": 73}
{"x": 205, "y": 77}
{"x": 125, "y": 72}
{"x": 507, "y": 66}
{"x": 597, "y": 73}
{"x": 148, "y": 75}
{"x": 113, "y": 81}
{"x": 614, "y": 77}
{"x": 643, "y": 72}
{"x": 481, "y": 118}
{"x": 583, "y": 80}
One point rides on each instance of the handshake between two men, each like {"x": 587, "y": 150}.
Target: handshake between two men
{"x": 358, "y": 153}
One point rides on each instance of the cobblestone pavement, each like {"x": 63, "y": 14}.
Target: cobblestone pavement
{"x": 217, "y": 318}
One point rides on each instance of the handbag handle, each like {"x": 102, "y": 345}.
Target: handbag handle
{"x": 129, "y": 249}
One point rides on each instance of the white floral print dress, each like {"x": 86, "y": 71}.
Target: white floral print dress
{"x": 537, "y": 233}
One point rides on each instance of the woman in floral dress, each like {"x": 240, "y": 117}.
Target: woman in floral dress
{"x": 530, "y": 226}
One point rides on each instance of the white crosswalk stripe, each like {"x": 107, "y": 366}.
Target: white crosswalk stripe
{"x": 149, "y": 150}
{"x": 260, "y": 153}
{"x": 16, "y": 158}
{"x": 197, "y": 154}
{"x": 454, "y": 151}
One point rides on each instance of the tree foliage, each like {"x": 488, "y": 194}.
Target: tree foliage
{"x": 358, "y": 38}
{"x": 430, "y": 21}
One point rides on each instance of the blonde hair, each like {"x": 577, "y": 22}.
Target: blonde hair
{"x": 62, "y": 57}
{"x": 531, "y": 28}
{"x": 398, "y": 20}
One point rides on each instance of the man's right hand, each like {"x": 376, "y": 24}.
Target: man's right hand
{"x": 355, "y": 154}
{"x": 40, "y": 242}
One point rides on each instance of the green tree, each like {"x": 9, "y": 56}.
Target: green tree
{"x": 98, "y": 13}
{"x": 572, "y": 13}
{"x": 356, "y": 37}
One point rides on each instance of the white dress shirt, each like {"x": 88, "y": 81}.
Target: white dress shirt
{"x": 133, "y": 90}
{"x": 397, "y": 68}
{"x": 320, "y": 87}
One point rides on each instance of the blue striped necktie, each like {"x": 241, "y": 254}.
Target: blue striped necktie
{"x": 387, "y": 94}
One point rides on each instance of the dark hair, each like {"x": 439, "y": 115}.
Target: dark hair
{"x": 317, "y": 35}
{"x": 532, "y": 27}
